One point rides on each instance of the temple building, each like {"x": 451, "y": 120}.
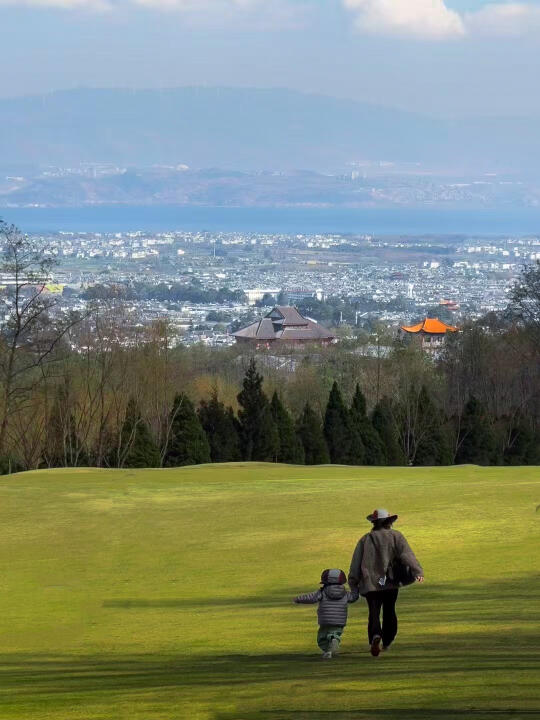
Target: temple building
{"x": 430, "y": 333}
{"x": 284, "y": 325}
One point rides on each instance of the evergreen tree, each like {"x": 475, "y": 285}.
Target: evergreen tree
{"x": 476, "y": 441}
{"x": 221, "y": 430}
{"x": 311, "y": 434}
{"x": 290, "y": 446}
{"x": 372, "y": 444}
{"x": 259, "y": 438}
{"x": 385, "y": 425}
{"x": 188, "y": 444}
{"x": 343, "y": 445}
{"x": 433, "y": 446}
{"x": 137, "y": 448}
{"x": 523, "y": 446}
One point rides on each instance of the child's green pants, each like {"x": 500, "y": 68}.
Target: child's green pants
{"x": 327, "y": 633}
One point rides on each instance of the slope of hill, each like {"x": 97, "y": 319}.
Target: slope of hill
{"x": 302, "y": 189}
{"x": 167, "y": 594}
{"x": 249, "y": 129}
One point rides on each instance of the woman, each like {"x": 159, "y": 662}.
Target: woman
{"x": 382, "y": 562}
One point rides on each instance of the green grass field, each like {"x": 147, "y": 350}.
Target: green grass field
{"x": 167, "y": 594}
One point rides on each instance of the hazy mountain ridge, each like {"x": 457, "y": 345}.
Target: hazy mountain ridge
{"x": 173, "y": 186}
{"x": 250, "y": 129}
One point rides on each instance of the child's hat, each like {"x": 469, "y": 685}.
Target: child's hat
{"x": 333, "y": 577}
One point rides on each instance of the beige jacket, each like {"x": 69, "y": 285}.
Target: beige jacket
{"x": 373, "y": 558}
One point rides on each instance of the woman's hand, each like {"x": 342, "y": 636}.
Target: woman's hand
{"x": 419, "y": 578}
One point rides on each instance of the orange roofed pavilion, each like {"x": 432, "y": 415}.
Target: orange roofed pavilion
{"x": 433, "y": 326}
{"x": 431, "y": 333}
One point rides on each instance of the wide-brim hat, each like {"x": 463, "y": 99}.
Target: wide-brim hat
{"x": 381, "y": 514}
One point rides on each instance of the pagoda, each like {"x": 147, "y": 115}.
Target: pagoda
{"x": 430, "y": 333}
{"x": 286, "y": 326}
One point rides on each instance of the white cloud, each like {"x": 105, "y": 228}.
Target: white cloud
{"x": 419, "y": 19}
{"x": 428, "y": 19}
{"x": 509, "y": 19}
{"x": 434, "y": 20}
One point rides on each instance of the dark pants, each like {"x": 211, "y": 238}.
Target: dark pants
{"x": 385, "y": 599}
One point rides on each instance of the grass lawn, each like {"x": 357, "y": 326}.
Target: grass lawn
{"x": 165, "y": 594}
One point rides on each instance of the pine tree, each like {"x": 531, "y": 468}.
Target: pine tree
{"x": 221, "y": 430}
{"x": 342, "y": 444}
{"x": 137, "y": 448}
{"x": 311, "y": 434}
{"x": 371, "y": 442}
{"x": 259, "y": 438}
{"x": 188, "y": 444}
{"x": 385, "y": 425}
{"x": 290, "y": 446}
{"x": 433, "y": 446}
{"x": 476, "y": 441}
{"x": 523, "y": 445}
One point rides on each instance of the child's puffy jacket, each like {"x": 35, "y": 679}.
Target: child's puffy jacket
{"x": 333, "y": 604}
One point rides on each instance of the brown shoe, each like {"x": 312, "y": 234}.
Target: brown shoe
{"x": 376, "y": 646}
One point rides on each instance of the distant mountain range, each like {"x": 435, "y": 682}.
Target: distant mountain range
{"x": 106, "y": 185}
{"x": 251, "y": 129}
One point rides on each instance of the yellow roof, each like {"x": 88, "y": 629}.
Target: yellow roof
{"x": 54, "y": 288}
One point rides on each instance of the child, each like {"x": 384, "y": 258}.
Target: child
{"x": 333, "y": 601}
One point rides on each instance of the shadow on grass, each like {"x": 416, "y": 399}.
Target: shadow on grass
{"x": 446, "y": 661}
{"x": 31, "y": 673}
{"x": 509, "y": 601}
{"x": 63, "y": 681}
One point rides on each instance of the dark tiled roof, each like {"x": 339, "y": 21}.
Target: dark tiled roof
{"x": 290, "y": 315}
{"x": 311, "y": 331}
{"x": 261, "y": 329}
{"x": 284, "y": 323}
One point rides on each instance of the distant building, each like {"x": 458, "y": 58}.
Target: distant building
{"x": 283, "y": 325}
{"x": 257, "y": 294}
{"x": 52, "y": 289}
{"x": 430, "y": 333}
{"x": 299, "y": 294}
{"x": 450, "y": 305}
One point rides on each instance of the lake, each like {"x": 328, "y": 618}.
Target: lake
{"x": 407, "y": 221}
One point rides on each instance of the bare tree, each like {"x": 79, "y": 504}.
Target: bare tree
{"x": 27, "y": 432}
{"x": 30, "y": 335}
{"x": 525, "y": 303}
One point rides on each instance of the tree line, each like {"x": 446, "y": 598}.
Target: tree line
{"x": 97, "y": 389}
{"x": 174, "y": 293}
{"x": 264, "y": 430}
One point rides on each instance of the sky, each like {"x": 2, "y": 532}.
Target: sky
{"x": 442, "y": 57}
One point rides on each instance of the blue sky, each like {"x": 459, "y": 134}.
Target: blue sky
{"x": 436, "y": 56}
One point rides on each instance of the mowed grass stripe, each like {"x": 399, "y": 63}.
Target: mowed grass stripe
{"x": 167, "y": 593}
